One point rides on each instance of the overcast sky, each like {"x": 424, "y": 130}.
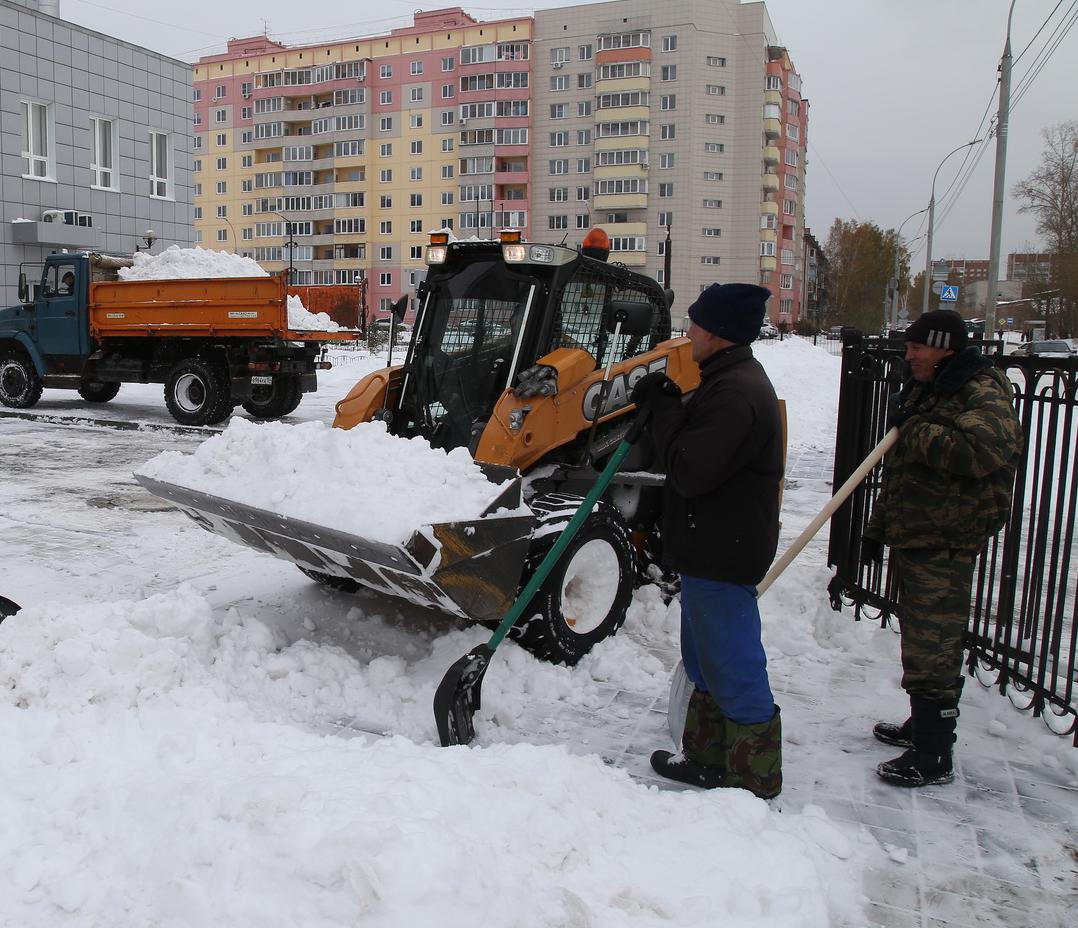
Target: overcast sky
{"x": 894, "y": 86}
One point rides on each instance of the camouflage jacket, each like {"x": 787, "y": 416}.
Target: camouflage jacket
{"x": 947, "y": 482}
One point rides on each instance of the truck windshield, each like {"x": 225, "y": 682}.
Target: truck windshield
{"x": 465, "y": 350}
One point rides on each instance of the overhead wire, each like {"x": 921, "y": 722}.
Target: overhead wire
{"x": 1038, "y": 32}
{"x": 1046, "y": 52}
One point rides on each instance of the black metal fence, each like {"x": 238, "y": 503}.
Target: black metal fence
{"x": 1022, "y": 631}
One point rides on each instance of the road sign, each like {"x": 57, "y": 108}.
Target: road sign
{"x": 1010, "y": 320}
{"x": 937, "y": 287}
{"x": 940, "y": 270}
{"x": 949, "y": 294}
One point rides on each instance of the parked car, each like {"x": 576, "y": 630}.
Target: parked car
{"x": 1051, "y": 348}
{"x": 767, "y": 330}
{"x": 835, "y": 332}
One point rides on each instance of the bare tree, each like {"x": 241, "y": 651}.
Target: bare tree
{"x": 1050, "y": 194}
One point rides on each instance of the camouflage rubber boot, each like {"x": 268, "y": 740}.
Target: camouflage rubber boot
{"x": 754, "y": 756}
{"x": 703, "y": 747}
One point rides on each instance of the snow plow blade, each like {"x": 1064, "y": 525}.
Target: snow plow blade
{"x": 470, "y": 568}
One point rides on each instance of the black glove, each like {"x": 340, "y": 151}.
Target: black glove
{"x": 899, "y": 416}
{"x": 651, "y": 386}
{"x": 871, "y": 551}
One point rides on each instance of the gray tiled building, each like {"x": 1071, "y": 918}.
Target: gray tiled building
{"x": 96, "y": 140}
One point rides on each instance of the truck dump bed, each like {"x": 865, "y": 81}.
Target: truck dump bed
{"x": 211, "y": 306}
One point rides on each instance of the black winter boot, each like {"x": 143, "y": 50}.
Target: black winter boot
{"x": 898, "y": 735}
{"x": 928, "y": 762}
{"x": 701, "y": 761}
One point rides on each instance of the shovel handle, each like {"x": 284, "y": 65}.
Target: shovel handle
{"x": 851, "y": 484}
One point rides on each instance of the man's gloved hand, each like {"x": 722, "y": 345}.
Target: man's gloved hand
{"x": 652, "y": 386}
{"x": 897, "y": 416}
{"x": 871, "y": 551}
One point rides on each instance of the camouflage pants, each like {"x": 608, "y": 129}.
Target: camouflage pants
{"x": 934, "y": 588}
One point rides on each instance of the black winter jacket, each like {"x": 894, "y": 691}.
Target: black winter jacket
{"x": 723, "y": 459}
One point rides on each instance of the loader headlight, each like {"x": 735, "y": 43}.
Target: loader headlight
{"x": 535, "y": 254}
{"x": 436, "y": 254}
{"x": 514, "y": 254}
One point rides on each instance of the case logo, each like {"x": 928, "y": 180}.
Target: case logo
{"x": 621, "y": 385}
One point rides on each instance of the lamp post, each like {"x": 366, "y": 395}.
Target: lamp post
{"x": 149, "y": 237}
{"x": 290, "y": 232}
{"x": 898, "y": 266}
{"x": 1002, "y": 120}
{"x": 931, "y": 220}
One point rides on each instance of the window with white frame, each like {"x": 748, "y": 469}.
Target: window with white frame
{"x": 774, "y": 82}
{"x": 789, "y": 181}
{"x": 584, "y": 52}
{"x": 222, "y": 164}
{"x": 767, "y": 249}
{"x": 667, "y": 132}
{"x": 583, "y": 81}
{"x": 415, "y": 199}
{"x": 559, "y": 139}
{"x": 666, "y": 190}
{"x": 714, "y": 61}
{"x": 448, "y": 117}
{"x": 447, "y": 144}
{"x": 222, "y": 235}
{"x": 198, "y": 119}
{"x": 710, "y": 259}
{"x": 583, "y": 194}
{"x": 558, "y": 110}
{"x": 714, "y": 147}
{"x": 222, "y": 138}
{"x": 38, "y": 139}
{"x": 385, "y": 201}
{"x": 196, "y": 94}
{"x": 415, "y": 67}
{"x": 786, "y": 307}
{"x": 791, "y": 157}
{"x": 583, "y": 165}
{"x": 198, "y": 212}
{"x": 385, "y": 150}
{"x": 447, "y": 171}
{"x": 385, "y": 71}
{"x": 557, "y": 223}
{"x": 666, "y": 161}
{"x": 103, "y": 152}
{"x": 787, "y": 256}
{"x": 385, "y": 176}
{"x": 415, "y": 147}
{"x": 385, "y": 124}
{"x": 668, "y": 72}
{"x": 416, "y": 94}
{"x": 714, "y": 119}
{"x": 385, "y": 252}
{"x": 415, "y": 225}
{"x": 222, "y": 212}
{"x": 669, "y": 43}
{"x": 448, "y": 64}
{"x": 415, "y": 173}
{"x": 583, "y": 220}
{"x": 559, "y": 55}
{"x": 222, "y": 187}
{"x": 448, "y": 91}
{"x": 715, "y": 90}
{"x": 583, "y": 108}
{"x": 385, "y": 97}
{"x": 385, "y": 227}
{"x": 793, "y": 132}
{"x": 247, "y": 185}
{"x": 248, "y": 209}
{"x": 219, "y": 92}
{"x": 668, "y": 101}
{"x": 160, "y": 165}
{"x": 789, "y": 207}
{"x": 712, "y": 175}
{"x": 712, "y": 204}
{"x": 559, "y": 194}
{"x": 559, "y": 82}
{"x": 447, "y": 198}
{"x": 711, "y": 232}
{"x": 385, "y": 279}
{"x": 220, "y": 115}
{"x": 786, "y": 281}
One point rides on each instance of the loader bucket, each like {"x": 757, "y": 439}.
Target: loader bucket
{"x": 470, "y": 568}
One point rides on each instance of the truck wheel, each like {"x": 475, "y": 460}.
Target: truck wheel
{"x": 196, "y": 391}
{"x": 584, "y": 598}
{"x": 98, "y": 391}
{"x": 275, "y": 400}
{"x": 20, "y": 386}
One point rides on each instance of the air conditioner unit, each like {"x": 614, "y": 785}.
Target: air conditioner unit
{"x": 52, "y": 215}
{"x": 464, "y": 120}
{"x": 559, "y": 64}
{"x": 69, "y": 217}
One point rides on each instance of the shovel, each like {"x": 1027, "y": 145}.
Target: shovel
{"x": 680, "y": 686}
{"x": 458, "y": 695}
{"x": 7, "y": 607}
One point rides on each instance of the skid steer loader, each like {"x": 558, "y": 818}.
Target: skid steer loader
{"x": 525, "y": 354}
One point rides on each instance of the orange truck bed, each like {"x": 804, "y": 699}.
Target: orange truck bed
{"x": 212, "y": 306}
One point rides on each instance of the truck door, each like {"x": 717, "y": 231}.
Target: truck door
{"x": 61, "y": 327}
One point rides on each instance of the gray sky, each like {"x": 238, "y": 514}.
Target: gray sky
{"x": 894, "y": 86}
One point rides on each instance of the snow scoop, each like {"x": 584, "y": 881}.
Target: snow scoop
{"x": 458, "y": 695}
{"x": 7, "y": 607}
{"x": 680, "y": 686}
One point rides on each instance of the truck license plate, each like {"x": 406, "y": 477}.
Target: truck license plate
{"x": 260, "y": 381}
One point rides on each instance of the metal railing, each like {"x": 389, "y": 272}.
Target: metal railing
{"x": 1022, "y": 632}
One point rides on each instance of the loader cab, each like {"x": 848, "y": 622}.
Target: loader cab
{"x": 489, "y": 310}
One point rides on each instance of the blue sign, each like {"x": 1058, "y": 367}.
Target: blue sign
{"x": 949, "y": 294}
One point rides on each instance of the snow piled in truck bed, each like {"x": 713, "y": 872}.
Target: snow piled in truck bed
{"x": 363, "y": 481}
{"x": 176, "y": 262}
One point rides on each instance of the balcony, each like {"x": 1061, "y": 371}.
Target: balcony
{"x": 772, "y": 128}
{"x": 768, "y": 235}
{"x": 619, "y": 201}
{"x": 768, "y": 264}
{"x": 771, "y": 155}
{"x": 769, "y": 208}
{"x": 772, "y": 97}
{"x": 770, "y": 182}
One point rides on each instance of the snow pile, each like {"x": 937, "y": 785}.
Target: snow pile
{"x": 807, "y": 378}
{"x": 177, "y": 262}
{"x": 148, "y": 790}
{"x": 301, "y": 320}
{"x": 362, "y": 481}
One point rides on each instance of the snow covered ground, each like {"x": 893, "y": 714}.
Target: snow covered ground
{"x": 196, "y": 734}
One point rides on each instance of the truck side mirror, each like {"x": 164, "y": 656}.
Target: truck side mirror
{"x": 24, "y": 288}
{"x": 400, "y": 308}
{"x": 635, "y": 318}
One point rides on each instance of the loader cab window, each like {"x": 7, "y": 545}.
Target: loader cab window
{"x": 579, "y": 322}
{"x": 466, "y": 351}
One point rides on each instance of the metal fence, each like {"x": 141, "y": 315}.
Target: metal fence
{"x": 1022, "y": 632}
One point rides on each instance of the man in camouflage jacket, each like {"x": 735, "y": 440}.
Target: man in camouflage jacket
{"x": 947, "y": 486}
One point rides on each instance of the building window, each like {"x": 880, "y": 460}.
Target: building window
{"x": 556, "y": 223}
{"x": 416, "y": 94}
{"x": 668, "y": 101}
{"x": 385, "y": 124}
{"x": 447, "y": 144}
{"x": 710, "y": 259}
{"x": 447, "y": 198}
{"x": 385, "y": 201}
{"x": 198, "y": 212}
{"x": 789, "y": 181}
{"x": 559, "y": 194}
{"x": 767, "y": 249}
{"x": 667, "y": 132}
{"x": 791, "y": 157}
{"x": 668, "y": 72}
{"x": 712, "y": 175}
{"x": 559, "y": 82}
{"x": 415, "y": 225}
{"x": 711, "y": 232}
{"x": 37, "y": 123}
{"x": 222, "y": 187}
{"x": 160, "y": 165}
{"x": 222, "y": 235}
{"x": 102, "y": 156}
{"x": 666, "y": 161}
{"x": 415, "y": 199}
{"x": 385, "y": 227}
{"x": 583, "y": 220}
{"x": 222, "y": 139}
{"x": 385, "y": 71}
{"x": 557, "y": 110}
{"x": 385, "y": 279}
{"x": 583, "y": 136}
{"x": 559, "y": 139}
{"x": 715, "y": 90}
{"x": 714, "y": 119}
{"x": 666, "y": 219}
{"x": 222, "y": 212}
{"x": 583, "y": 194}
{"x": 715, "y": 62}
{"x": 219, "y": 92}
{"x": 385, "y": 97}
{"x": 385, "y": 150}
{"x": 559, "y": 55}
{"x": 583, "y": 165}
{"x": 196, "y": 94}
{"x": 415, "y": 147}
{"x": 793, "y": 132}
{"x": 669, "y": 43}
{"x": 583, "y": 108}
{"x": 786, "y": 281}
{"x": 789, "y": 207}
{"x": 559, "y": 166}
{"x": 584, "y": 52}
{"x": 583, "y": 81}
{"x": 447, "y": 171}
{"x": 448, "y": 118}
{"x": 666, "y": 190}
{"x": 787, "y": 256}
{"x": 714, "y": 147}
{"x": 247, "y": 185}
{"x": 245, "y": 112}
{"x": 448, "y": 90}
{"x": 712, "y": 204}
{"x": 220, "y": 115}
{"x": 385, "y": 253}
{"x": 415, "y": 173}
{"x": 415, "y": 67}
{"x": 774, "y": 82}
{"x": 222, "y": 164}
{"x": 415, "y": 252}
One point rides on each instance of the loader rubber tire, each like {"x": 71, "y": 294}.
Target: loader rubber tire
{"x": 276, "y": 400}
{"x": 20, "y": 386}
{"x": 197, "y": 392}
{"x": 341, "y": 584}
{"x": 98, "y": 391}
{"x": 585, "y": 597}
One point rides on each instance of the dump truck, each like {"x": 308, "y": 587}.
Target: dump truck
{"x": 526, "y": 355}
{"x": 215, "y": 343}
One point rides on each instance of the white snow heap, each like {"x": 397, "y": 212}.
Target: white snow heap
{"x": 300, "y": 319}
{"x": 176, "y": 262}
{"x": 363, "y": 481}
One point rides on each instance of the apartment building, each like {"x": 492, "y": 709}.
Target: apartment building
{"x": 1036, "y": 266}
{"x": 96, "y": 140}
{"x": 336, "y": 160}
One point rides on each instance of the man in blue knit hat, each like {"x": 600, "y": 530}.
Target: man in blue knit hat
{"x": 722, "y": 453}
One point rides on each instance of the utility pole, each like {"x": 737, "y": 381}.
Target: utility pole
{"x": 898, "y": 266}
{"x": 1002, "y": 120}
{"x": 931, "y": 221}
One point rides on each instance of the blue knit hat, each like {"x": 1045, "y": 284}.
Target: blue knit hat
{"x": 731, "y": 311}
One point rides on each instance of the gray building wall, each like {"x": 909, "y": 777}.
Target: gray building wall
{"x": 80, "y": 73}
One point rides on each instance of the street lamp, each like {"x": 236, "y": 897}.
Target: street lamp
{"x": 289, "y": 231}
{"x": 898, "y": 268}
{"x": 931, "y": 220}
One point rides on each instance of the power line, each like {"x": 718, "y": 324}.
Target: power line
{"x": 1046, "y": 53}
{"x": 1038, "y": 32}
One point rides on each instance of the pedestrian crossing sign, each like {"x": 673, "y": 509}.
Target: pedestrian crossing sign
{"x": 949, "y": 294}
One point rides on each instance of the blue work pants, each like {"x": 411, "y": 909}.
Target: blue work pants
{"x": 722, "y": 650}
